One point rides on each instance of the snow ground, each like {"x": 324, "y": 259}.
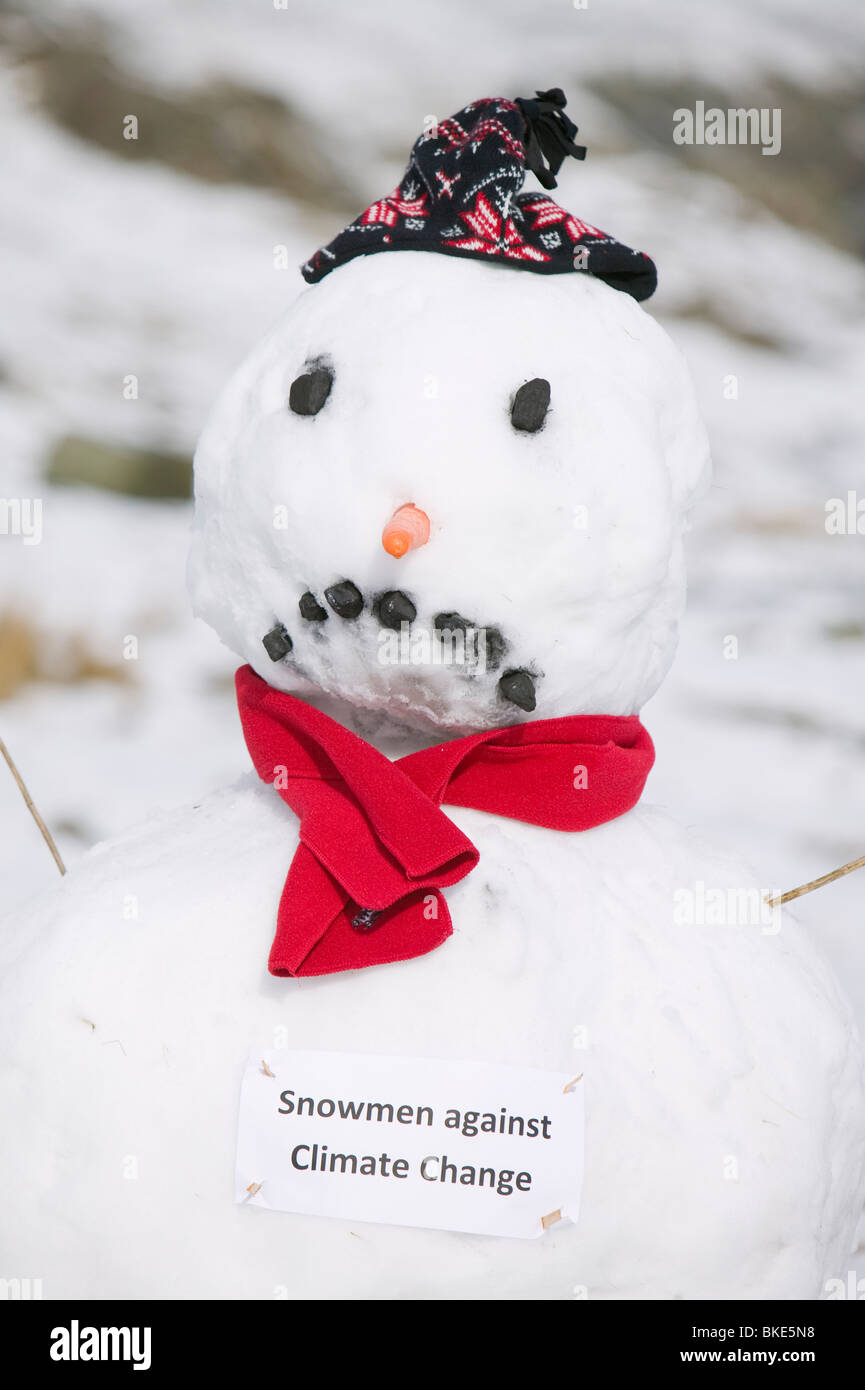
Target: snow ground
{"x": 115, "y": 268}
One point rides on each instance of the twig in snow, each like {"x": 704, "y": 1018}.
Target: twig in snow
{"x": 816, "y": 882}
{"x": 28, "y": 801}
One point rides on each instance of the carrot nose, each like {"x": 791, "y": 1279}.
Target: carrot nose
{"x": 407, "y": 529}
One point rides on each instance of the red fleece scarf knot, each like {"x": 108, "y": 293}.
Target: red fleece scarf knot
{"x": 375, "y": 851}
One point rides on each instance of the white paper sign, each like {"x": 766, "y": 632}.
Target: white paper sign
{"x": 455, "y": 1146}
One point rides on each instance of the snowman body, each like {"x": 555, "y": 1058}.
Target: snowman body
{"x": 725, "y": 1118}
{"x": 723, "y": 1101}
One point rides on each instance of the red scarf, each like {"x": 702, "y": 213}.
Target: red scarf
{"x": 375, "y": 850}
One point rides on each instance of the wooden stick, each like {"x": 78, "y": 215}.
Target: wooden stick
{"x": 28, "y": 800}
{"x": 816, "y": 882}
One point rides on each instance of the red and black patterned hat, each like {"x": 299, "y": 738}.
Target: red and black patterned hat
{"x": 461, "y": 195}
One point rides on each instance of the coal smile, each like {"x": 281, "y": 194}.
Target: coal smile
{"x": 396, "y": 611}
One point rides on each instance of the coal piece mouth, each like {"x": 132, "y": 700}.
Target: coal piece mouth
{"x": 396, "y": 611}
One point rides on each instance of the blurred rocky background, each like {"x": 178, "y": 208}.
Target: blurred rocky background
{"x": 136, "y": 272}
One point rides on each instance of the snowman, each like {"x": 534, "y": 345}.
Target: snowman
{"x": 439, "y": 519}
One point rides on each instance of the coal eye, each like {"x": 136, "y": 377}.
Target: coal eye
{"x": 309, "y": 392}
{"x": 530, "y": 405}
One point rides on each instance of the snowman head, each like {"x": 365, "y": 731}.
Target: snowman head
{"x": 449, "y": 492}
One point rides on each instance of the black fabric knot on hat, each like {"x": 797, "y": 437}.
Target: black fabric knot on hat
{"x": 462, "y": 195}
{"x": 549, "y": 134}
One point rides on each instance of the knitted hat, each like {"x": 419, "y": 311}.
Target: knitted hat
{"x": 461, "y": 196}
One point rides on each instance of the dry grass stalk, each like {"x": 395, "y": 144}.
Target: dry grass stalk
{"x": 28, "y": 801}
{"x": 816, "y": 882}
